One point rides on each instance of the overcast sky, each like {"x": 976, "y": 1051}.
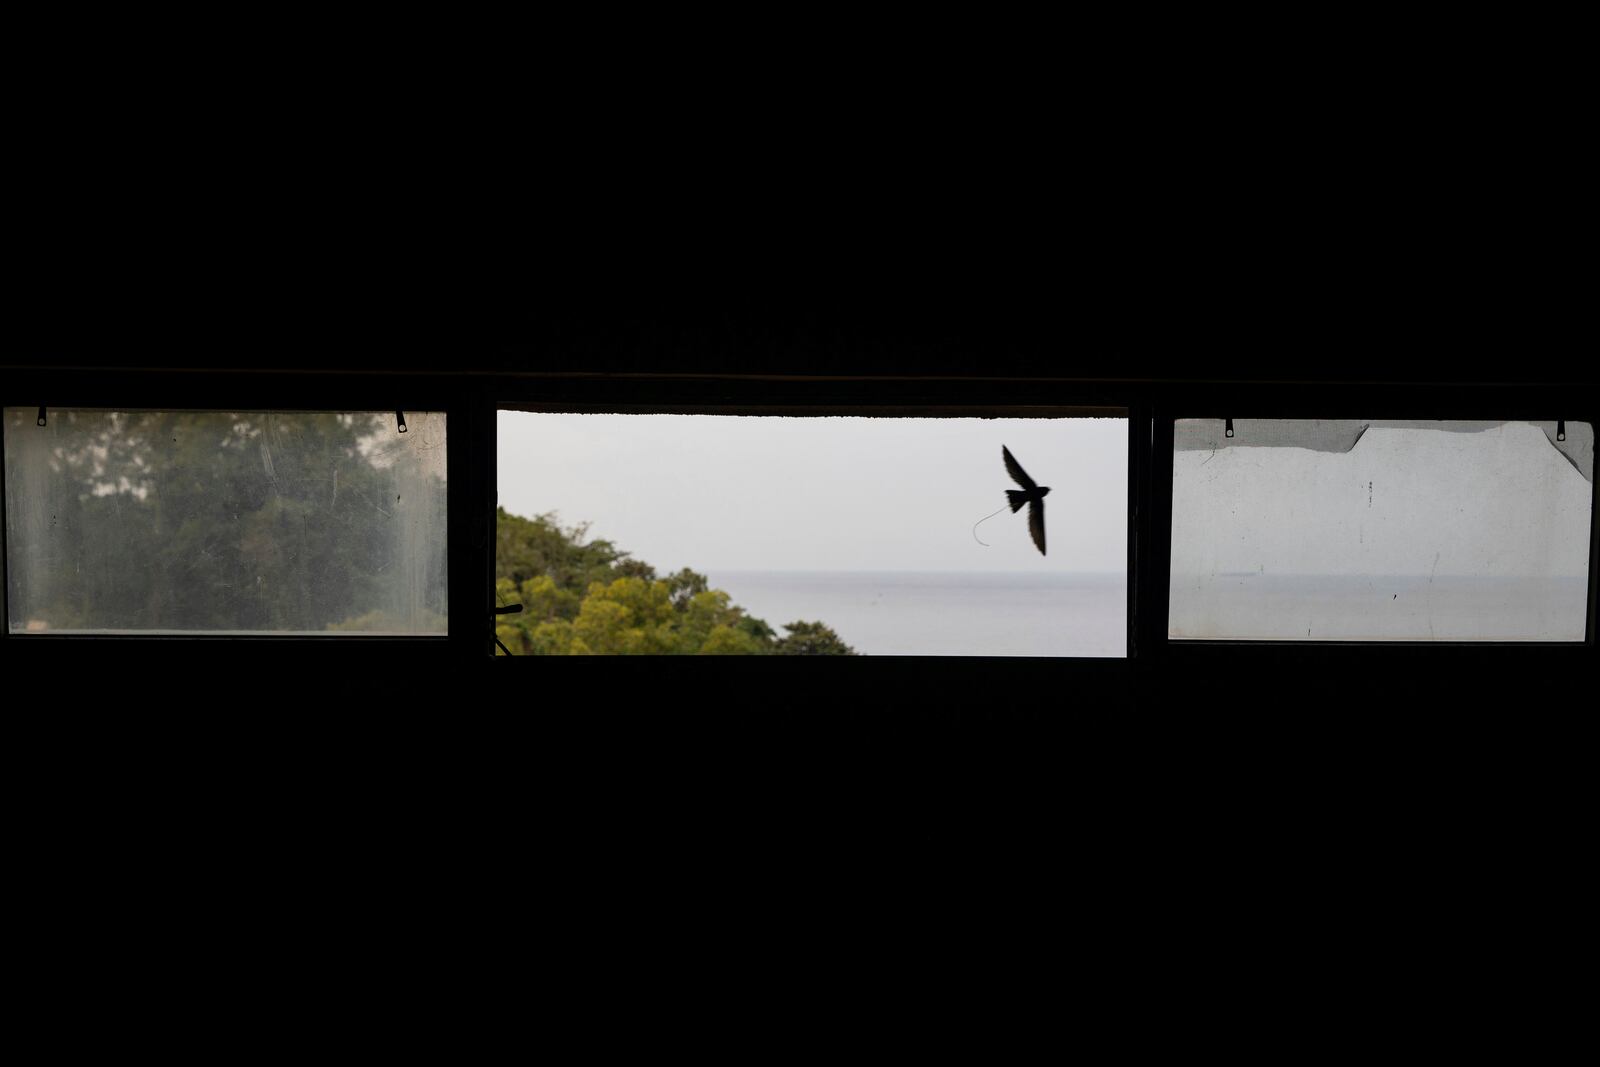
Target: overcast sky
{"x": 722, "y": 492}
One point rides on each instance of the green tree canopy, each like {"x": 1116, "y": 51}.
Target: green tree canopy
{"x": 811, "y": 639}
{"x": 584, "y": 597}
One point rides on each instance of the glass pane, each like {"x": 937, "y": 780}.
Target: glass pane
{"x": 210, "y": 522}
{"x": 1380, "y": 531}
{"x": 696, "y": 534}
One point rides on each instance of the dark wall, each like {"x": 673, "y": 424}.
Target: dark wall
{"x": 1180, "y": 768}
{"x": 1306, "y": 307}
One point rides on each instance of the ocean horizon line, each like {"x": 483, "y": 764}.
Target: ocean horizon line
{"x": 903, "y": 570}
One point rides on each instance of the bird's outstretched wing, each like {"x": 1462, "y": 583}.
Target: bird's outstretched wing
{"x": 1036, "y": 523}
{"x": 1014, "y": 469}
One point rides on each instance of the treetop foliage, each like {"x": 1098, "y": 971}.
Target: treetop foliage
{"x": 590, "y": 598}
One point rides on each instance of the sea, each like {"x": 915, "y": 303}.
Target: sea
{"x": 922, "y": 613}
{"x": 926, "y": 613}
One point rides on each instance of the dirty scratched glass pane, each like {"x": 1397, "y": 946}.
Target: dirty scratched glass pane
{"x": 1380, "y": 530}
{"x": 726, "y": 534}
{"x": 163, "y": 522}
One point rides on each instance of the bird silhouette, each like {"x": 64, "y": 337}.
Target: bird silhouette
{"x": 1032, "y": 495}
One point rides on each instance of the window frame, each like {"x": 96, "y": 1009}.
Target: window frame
{"x": 1487, "y": 402}
{"x": 472, "y": 402}
{"x": 819, "y": 399}
{"x": 221, "y": 391}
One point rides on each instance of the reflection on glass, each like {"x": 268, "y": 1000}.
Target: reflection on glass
{"x": 258, "y": 522}
{"x": 1372, "y": 530}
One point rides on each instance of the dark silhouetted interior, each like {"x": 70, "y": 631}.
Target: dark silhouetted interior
{"x": 1269, "y": 770}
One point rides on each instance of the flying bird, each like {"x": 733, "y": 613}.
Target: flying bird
{"x": 1032, "y": 495}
